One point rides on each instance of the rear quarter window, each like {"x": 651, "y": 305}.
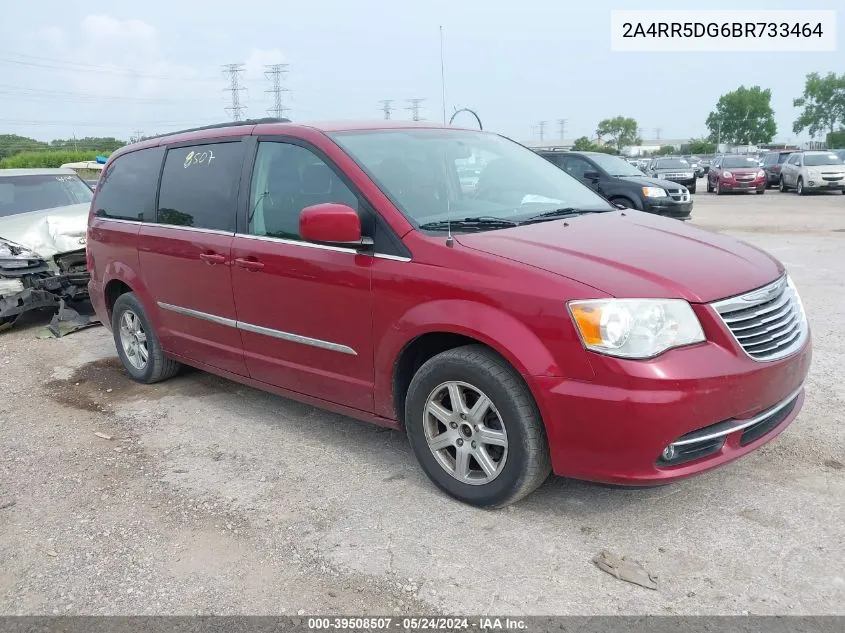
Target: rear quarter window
{"x": 199, "y": 186}
{"x": 127, "y": 190}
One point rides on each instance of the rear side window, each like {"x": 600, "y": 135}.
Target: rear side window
{"x": 782, "y": 158}
{"x": 199, "y": 186}
{"x": 127, "y": 191}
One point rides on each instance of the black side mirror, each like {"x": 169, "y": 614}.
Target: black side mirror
{"x": 592, "y": 175}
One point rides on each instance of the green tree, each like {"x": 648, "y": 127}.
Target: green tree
{"x": 12, "y": 144}
{"x": 619, "y": 131}
{"x": 583, "y": 144}
{"x": 88, "y": 143}
{"x": 823, "y": 104}
{"x": 701, "y": 146}
{"x": 47, "y": 158}
{"x": 743, "y": 117}
{"x": 665, "y": 150}
{"x": 836, "y": 140}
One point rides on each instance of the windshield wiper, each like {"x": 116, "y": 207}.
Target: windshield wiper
{"x": 559, "y": 213}
{"x": 484, "y": 221}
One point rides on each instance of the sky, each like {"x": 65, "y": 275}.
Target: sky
{"x": 71, "y": 68}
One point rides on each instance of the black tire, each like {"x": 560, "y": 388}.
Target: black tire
{"x": 158, "y": 367}
{"x": 760, "y": 192}
{"x": 782, "y": 186}
{"x": 799, "y": 187}
{"x": 692, "y": 189}
{"x": 625, "y": 202}
{"x": 526, "y": 463}
{"x": 718, "y": 189}
{"x": 709, "y": 186}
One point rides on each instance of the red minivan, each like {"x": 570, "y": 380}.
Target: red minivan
{"x": 520, "y": 327}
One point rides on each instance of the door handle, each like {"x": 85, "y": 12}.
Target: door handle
{"x": 249, "y": 264}
{"x": 213, "y": 258}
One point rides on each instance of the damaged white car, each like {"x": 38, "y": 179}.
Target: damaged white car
{"x": 43, "y": 218}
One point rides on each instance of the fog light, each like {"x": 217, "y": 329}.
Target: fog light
{"x": 668, "y": 453}
{"x": 812, "y": 183}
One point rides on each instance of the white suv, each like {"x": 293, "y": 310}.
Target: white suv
{"x": 813, "y": 171}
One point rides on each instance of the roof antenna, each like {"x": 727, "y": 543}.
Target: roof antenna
{"x": 450, "y": 241}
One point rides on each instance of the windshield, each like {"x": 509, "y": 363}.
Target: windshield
{"x": 671, "y": 163}
{"x": 739, "y": 161}
{"x": 814, "y": 160}
{"x": 21, "y": 194}
{"x": 614, "y": 165}
{"x": 434, "y": 174}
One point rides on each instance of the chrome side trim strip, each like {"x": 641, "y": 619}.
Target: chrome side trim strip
{"x": 257, "y": 329}
{"x": 395, "y": 258}
{"x": 117, "y": 220}
{"x": 729, "y": 426}
{"x": 205, "y": 316}
{"x": 282, "y": 240}
{"x": 195, "y": 229}
{"x": 296, "y": 338}
{"x": 262, "y": 238}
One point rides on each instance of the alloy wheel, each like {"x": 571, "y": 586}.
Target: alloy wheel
{"x": 465, "y": 432}
{"x": 133, "y": 339}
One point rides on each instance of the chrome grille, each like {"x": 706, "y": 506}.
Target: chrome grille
{"x": 679, "y": 195}
{"x": 768, "y": 323}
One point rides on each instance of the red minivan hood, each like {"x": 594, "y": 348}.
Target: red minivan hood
{"x": 634, "y": 255}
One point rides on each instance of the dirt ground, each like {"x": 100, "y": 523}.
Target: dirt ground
{"x": 211, "y": 497}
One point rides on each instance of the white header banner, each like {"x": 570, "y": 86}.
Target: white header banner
{"x": 720, "y": 30}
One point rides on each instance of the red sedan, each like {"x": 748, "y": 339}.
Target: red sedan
{"x": 736, "y": 173}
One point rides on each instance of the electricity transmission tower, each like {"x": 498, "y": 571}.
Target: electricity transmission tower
{"x": 386, "y": 107}
{"x": 274, "y": 73}
{"x": 414, "y": 108}
{"x": 562, "y": 124}
{"x": 541, "y": 126}
{"x": 233, "y": 72}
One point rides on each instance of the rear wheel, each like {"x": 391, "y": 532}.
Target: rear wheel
{"x": 137, "y": 344}
{"x": 475, "y": 429}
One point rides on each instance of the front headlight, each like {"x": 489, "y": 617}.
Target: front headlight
{"x": 654, "y": 192}
{"x": 635, "y": 328}
{"x": 813, "y": 173}
{"x": 727, "y": 174}
{"x": 761, "y": 174}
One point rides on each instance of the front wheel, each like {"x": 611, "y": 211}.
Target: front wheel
{"x": 475, "y": 428}
{"x": 782, "y": 185}
{"x": 137, "y": 344}
{"x": 718, "y": 189}
{"x": 799, "y": 186}
{"x": 709, "y": 186}
{"x": 692, "y": 189}
{"x": 760, "y": 192}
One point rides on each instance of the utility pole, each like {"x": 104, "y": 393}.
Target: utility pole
{"x": 414, "y": 108}
{"x": 386, "y": 107}
{"x": 274, "y": 73}
{"x": 657, "y": 133}
{"x": 442, "y": 77}
{"x": 137, "y": 135}
{"x": 541, "y": 126}
{"x": 562, "y": 124}
{"x": 233, "y": 71}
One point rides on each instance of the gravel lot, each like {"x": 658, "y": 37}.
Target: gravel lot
{"x": 216, "y": 498}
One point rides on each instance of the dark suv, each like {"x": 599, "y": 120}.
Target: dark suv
{"x": 624, "y": 184}
{"x": 772, "y": 162}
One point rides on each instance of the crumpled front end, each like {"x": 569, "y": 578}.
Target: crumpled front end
{"x": 32, "y": 280}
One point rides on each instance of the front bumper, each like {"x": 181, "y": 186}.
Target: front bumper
{"x": 669, "y": 207}
{"x": 825, "y": 185}
{"x": 615, "y": 428}
{"x": 747, "y": 185}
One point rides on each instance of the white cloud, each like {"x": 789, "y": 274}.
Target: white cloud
{"x": 258, "y": 59}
